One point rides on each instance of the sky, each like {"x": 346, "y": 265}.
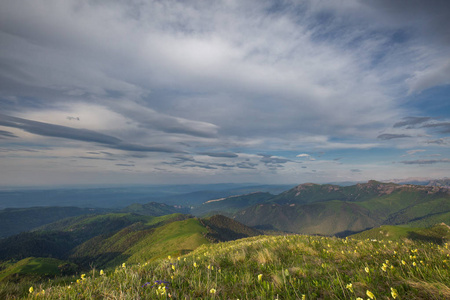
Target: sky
{"x": 154, "y": 92}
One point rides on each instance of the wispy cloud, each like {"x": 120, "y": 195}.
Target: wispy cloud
{"x": 84, "y": 135}
{"x": 409, "y": 121}
{"x": 425, "y": 161}
{"x": 390, "y": 136}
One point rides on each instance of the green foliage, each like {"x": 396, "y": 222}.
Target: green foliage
{"x": 273, "y": 267}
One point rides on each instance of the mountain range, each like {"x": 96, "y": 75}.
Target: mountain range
{"x": 67, "y": 240}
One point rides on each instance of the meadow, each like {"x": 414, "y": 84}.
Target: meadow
{"x": 270, "y": 267}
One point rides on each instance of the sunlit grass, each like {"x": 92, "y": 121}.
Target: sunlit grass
{"x": 273, "y": 267}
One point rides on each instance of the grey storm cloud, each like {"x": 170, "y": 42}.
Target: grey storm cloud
{"x": 425, "y": 161}
{"x": 85, "y": 135}
{"x": 409, "y": 121}
{"x": 390, "y": 136}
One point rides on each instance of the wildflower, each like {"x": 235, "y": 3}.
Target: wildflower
{"x": 303, "y": 297}
{"x": 123, "y": 265}
{"x": 260, "y": 277}
{"x": 384, "y": 267}
{"x": 403, "y": 262}
{"x": 31, "y": 289}
{"x": 394, "y": 293}
{"x": 370, "y": 294}
{"x": 212, "y": 291}
{"x": 83, "y": 276}
{"x": 359, "y": 298}
{"x": 169, "y": 257}
{"x": 414, "y": 264}
{"x": 209, "y": 267}
{"x": 195, "y": 265}
{"x": 350, "y": 287}
{"x": 173, "y": 267}
{"x": 366, "y": 269}
{"x": 102, "y": 273}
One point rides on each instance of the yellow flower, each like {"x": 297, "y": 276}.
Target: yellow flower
{"x": 169, "y": 257}
{"x": 212, "y": 291}
{"x": 209, "y": 267}
{"x": 350, "y": 287}
{"x": 370, "y": 294}
{"x": 260, "y": 277}
{"x": 384, "y": 267}
{"x": 83, "y": 276}
{"x": 195, "y": 265}
{"x": 366, "y": 269}
{"x": 31, "y": 289}
{"x": 414, "y": 264}
{"x": 394, "y": 293}
{"x": 303, "y": 297}
{"x": 403, "y": 262}
{"x": 359, "y": 298}
{"x": 173, "y": 267}
{"x": 102, "y": 273}
{"x": 123, "y": 265}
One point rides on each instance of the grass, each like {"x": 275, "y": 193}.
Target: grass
{"x": 273, "y": 267}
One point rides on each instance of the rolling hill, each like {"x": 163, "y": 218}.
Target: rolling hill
{"x": 336, "y": 210}
{"x": 111, "y": 239}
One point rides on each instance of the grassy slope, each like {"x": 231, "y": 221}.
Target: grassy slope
{"x": 32, "y": 266}
{"x": 283, "y": 267}
{"x": 437, "y": 234}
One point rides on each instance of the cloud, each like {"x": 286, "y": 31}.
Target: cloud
{"x": 7, "y": 134}
{"x": 440, "y": 141}
{"x": 444, "y": 127}
{"x": 220, "y": 154}
{"x": 412, "y": 152}
{"x": 269, "y": 159}
{"x": 390, "y": 136}
{"x": 425, "y": 161}
{"x": 84, "y": 135}
{"x": 408, "y": 121}
{"x": 303, "y": 155}
{"x": 125, "y": 165}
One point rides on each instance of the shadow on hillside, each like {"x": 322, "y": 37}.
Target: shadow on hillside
{"x": 109, "y": 259}
{"x": 425, "y": 238}
{"x": 346, "y": 233}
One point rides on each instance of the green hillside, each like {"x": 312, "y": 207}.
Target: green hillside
{"x": 335, "y": 210}
{"x": 36, "y": 268}
{"x": 438, "y": 234}
{"x": 109, "y": 240}
{"x": 17, "y": 220}
{"x": 272, "y": 267}
{"x": 154, "y": 209}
